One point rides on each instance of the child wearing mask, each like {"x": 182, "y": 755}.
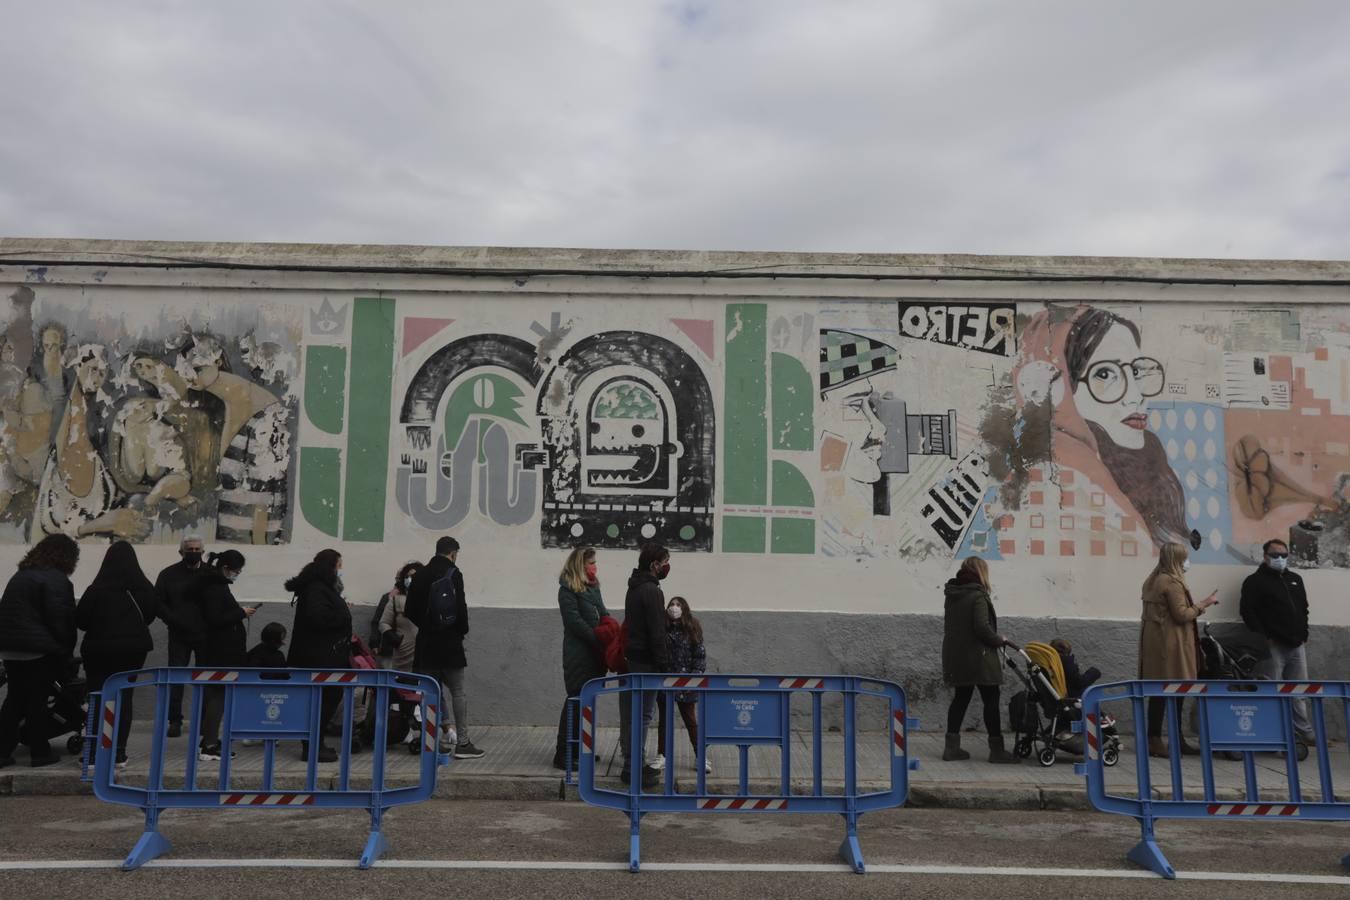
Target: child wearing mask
{"x": 687, "y": 656}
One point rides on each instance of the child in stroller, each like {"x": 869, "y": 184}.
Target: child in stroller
{"x": 1042, "y": 713}
{"x": 65, "y": 705}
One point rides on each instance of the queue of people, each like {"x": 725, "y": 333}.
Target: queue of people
{"x": 422, "y": 621}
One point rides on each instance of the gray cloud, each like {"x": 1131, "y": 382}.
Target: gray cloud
{"x": 1180, "y": 129}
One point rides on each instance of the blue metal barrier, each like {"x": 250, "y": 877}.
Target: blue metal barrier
{"x": 1237, "y": 719}
{"x": 269, "y": 706}
{"x": 749, "y": 711}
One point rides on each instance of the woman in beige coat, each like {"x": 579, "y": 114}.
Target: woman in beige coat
{"x": 1168, "y": 640}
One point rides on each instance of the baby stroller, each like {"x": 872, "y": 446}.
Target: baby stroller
{"x": 1041, "y": 713}
{"x": 1232, "y": 664}
{"x": 65, "y": 706}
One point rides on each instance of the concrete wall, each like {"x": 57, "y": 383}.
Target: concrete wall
{"x": 818, "y": 438}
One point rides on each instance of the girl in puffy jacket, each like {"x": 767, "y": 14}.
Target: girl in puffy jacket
{"x": 684, "y": 635}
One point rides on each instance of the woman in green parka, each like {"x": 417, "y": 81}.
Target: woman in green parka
{"x": 970, "y": 658}
{"x": 583, "y": 658}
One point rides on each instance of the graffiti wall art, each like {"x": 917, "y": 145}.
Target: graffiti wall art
{"x": 134, "y": 421}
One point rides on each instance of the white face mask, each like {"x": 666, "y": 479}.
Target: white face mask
{"x": 407, "y": 582}
{"x": 674, "y": 612}
{"x": 1279, "y": 564}
{"x": 1185, "y": 565}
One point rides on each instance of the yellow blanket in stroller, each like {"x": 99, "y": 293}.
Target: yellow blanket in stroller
{"x": 1047, "y": 658}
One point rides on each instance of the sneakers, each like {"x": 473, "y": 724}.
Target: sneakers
{"x": 120, "y": 762}
{"x": 466, "y": 750}
{"x": 657, "y": 762}
{"x": 212, "y": 753}
{"x": 175, "y": 729}
{"x": 707, "y": 766}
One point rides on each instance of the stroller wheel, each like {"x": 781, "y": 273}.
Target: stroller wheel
{"x": 1046, "y": 757}
{"x": 1110, "y": 756}
{"x": 74, "y": 743}
{"x": 1022, "y": 748}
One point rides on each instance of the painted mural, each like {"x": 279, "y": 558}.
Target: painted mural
{"x": 910, "y": 430}
{"x": 133, "y": 420}
{"x": 602, "y": 436}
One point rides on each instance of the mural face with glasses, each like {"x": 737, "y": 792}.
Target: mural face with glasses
{"x": 1115, "y": 386}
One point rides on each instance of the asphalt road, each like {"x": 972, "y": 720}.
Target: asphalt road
{"x": 521, "y": 850}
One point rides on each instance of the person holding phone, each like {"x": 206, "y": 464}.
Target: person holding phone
{"x": 1169, "y": 640}
{"x": 226, "y": 640}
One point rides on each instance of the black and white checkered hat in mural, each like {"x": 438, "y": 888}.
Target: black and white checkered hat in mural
{"x": 846, "y": 357}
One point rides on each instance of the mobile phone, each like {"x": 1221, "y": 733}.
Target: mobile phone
{"x": 256, "y": 605}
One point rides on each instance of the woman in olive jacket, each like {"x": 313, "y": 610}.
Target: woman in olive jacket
{"x": 321, "y": 636}
{"x": 115, "y": 613}
{"x": 581, "y": 606}
{"x": 970, "y": 658}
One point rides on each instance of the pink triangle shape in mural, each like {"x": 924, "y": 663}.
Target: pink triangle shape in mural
{"x": 417, "y": 332}
{"x": 700, "y": 331}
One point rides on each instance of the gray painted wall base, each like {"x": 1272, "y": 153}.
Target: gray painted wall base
{"x": 515, "y": 655}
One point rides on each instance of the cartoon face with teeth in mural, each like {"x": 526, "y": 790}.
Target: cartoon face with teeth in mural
{"x": 629, "y": 446}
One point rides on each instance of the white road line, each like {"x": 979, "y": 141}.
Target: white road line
{"x": 18, "y": 865}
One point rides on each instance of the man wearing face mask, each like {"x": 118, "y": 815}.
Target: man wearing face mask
{"x": 646, "y": 649}
{"x": 1275, "y": 605}
{"x": 177, "y": 591}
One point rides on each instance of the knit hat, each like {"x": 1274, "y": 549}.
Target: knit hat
{"x": 846, "y": 357}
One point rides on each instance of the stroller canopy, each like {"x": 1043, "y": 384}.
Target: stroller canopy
{"x": 1047, "y": 658}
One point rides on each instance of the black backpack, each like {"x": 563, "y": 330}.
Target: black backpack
{"x": 443, "y": 603}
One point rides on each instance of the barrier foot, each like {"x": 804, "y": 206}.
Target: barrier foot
{"x": 1147, "y": 854}
{"x": 634, "y": 844}
{"x": 850, "y": 851}
{"x": 375, "y": 847}
{"x": 151, "y": 845}
{"x": 1345, "y": 862}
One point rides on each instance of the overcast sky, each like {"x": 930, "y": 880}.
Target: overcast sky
{"x": 1176, "y": 128}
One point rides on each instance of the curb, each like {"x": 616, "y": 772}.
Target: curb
{"x": 537, "y": 788}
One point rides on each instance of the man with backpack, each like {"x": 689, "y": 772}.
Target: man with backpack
{"x": 436, "y": 605}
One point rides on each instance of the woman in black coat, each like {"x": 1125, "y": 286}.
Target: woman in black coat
{"x": 37, "y": 637}
{"x": 226, "y": 644}
{"x": 115, "y": 614}
{"x": 321, "y": 637}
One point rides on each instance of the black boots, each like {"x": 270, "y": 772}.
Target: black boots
{"x": 997, "y": 753}
{"x": 952, "y": 750}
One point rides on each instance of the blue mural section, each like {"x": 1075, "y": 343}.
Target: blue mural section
{"x": 981, "y": 537}
{"x": 1192, "y": 435}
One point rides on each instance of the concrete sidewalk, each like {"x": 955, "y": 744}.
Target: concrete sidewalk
{"x": 518, "y": 766}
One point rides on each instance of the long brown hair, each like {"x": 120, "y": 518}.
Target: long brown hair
{"x": 974, "y": 568}
{"x": 55, "y": 551}
{"x": 574, "y": 570}
{"x": 686, "y": 623}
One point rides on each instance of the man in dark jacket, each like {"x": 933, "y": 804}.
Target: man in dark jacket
{"x": 440, "y": 651}
{"x": 1275, "y": 605}
{"x": 176, "y": 589}
{"x": 646, "y": 650}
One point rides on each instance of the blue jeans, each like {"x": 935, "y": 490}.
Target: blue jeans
{"x": 626, "y": 715}
{"x": 1287, "y": 663}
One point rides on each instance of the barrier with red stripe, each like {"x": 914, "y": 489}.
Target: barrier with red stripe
{"x": 1238, "y": 722}
{"x": 274, "y": 708}
{"x": 741, "y": 713}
